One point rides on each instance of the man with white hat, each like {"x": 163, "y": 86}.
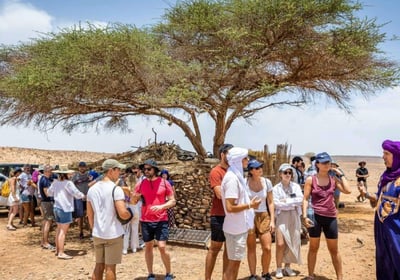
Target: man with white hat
{"x": 107, "y": 230}
{"x": 239, "y": 213}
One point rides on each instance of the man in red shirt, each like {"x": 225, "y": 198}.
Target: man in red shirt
{"x": 217, "y": 213}
{"x": 157, "y": 196}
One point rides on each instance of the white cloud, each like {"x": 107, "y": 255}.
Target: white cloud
{"x": 21, "y": 22}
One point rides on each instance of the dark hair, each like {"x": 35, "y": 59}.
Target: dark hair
{"x": 296, "y": 159}
{"x": 63, "y": 176}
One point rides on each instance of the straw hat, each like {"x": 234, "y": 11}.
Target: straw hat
{"x": 63, "y": 168}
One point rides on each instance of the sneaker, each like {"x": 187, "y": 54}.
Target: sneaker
{"x": 266, "y": 276}
{"x": 81, "y": 236}
{"x": 253, "y": 277}
{"x": 287, "y": 271}
{"x": 124, "y": 252}
{"x": 151, "y": 276}
{"x": 278, "y": 273}
{"x": 169, "y": 276}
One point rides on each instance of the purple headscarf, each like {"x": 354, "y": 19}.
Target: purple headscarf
{"x": 393, "y": 172}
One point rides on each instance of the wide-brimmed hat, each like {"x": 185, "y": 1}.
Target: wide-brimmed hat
{"x": 63, "y": 169}
{"x": 150, "y": 162}
{"x": 362, "y": 163}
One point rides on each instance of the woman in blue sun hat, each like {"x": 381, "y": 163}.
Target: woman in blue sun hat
{"x": 321, "y": 187}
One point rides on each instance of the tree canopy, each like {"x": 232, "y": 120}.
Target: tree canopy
{"x": 228, "y": 59}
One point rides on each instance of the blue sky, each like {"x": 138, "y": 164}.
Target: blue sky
{"x": 315, "y": 128}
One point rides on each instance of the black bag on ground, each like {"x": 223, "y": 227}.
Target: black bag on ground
{"x": 122, "y": 221}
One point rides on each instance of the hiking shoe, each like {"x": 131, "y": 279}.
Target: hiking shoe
{"x": 278, "y": 273}
{"x": 81, "y": 236}
{"x": 169, "y": 276}
{"x": 266, "y": 276}
{"x": 151, "y": 276}
{"x": 287, "y": 271}
{"x": 253, "y": 277}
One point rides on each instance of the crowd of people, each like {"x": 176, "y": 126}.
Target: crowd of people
{"x": 131, "y": 208}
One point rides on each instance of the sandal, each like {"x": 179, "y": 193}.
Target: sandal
{"x": 64, "y": 257}
{"x": 49, "y": 247}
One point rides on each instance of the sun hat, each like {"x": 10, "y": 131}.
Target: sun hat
{"x": 112, "y": 163}
{"x": 254, "y": 164}
{"x": 285, "y": 166}
{"x": 63, "y": 169}
{"x": 323, "y": 157}
{"x": 334, "y": 162}
{"x": 150, "y": 162}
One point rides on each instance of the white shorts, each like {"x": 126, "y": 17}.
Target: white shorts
{"x": 236, "y": 246}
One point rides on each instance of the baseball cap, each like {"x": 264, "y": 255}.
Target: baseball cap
{"x": 112, "y": 163}
{"x": 254, "y": 164}
{"x": 225, "y": 147}
{"x": 323, "y": 157}
{"x": 285, "y": 166}
{"x": 82, "y": 163}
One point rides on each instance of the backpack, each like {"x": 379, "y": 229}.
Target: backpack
{"x": 5, "y": 190}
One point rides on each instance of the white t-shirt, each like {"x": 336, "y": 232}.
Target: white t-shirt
{"x": 106, "y": 224}
{"x": 235, "y": 223}
{"x": 64, "y": 193}
{"x": 267, "y": 187}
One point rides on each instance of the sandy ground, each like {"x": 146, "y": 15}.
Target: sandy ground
{"x": 21, "y": 257}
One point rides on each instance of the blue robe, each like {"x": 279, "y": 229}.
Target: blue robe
{"x": 387, "y": 233}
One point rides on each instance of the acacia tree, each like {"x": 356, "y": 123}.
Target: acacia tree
{"x": 229, "y": 59}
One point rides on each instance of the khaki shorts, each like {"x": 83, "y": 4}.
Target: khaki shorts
{"x": 262, "y": 223}
{"x": 108, "y": 251}
{"x": 47, "y": 209}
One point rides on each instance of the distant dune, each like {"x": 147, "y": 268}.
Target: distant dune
{"x": 53, "y": 157}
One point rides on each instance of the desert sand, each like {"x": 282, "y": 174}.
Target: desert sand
{"x": 21, "y": 257}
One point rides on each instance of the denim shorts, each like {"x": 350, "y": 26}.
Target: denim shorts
{"x": 155, "y": 230}
{"x": 62, "y": 217}
{"x": 25, "y": 198}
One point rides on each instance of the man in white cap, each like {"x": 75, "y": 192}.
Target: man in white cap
{"x": 239, "y": 213}
{"x": 102, "y": 210}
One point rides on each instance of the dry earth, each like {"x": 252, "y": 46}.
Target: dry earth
{"x": 22, "y": 258}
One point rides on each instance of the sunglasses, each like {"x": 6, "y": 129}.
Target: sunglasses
{"x": 257, "y": 168}
{"x": 147, "y": 168}
{"x": 287, "y": 172}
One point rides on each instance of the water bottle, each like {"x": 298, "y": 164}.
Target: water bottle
{"x": 310, "y": 213}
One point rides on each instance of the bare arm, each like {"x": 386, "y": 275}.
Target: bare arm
{"x": 121, "y": 209}
{"x": 306, "y": 197}
{"x": 232, "y": 207}
{"x": 90, "y": 214}
{"x": 217, "y": 192}
{"x": 271, "y": 207}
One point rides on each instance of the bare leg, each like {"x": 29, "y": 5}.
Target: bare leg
{"x": 312, "y": 254}
{"x": 98, "y": 271}
{"x": 211, "y": 258}
{"x": 165, "y": 257}
{"x": 110, "y": 272}
{"x": 232, "y": 270}
{"x": 26, "y": 206}
{"x": 45, "y": 231}
{"x": 148, "y": 255}
{"x": 335, "y": 256}
{"x": 62, "y": 232}
{"x": 11, "y": 215}
{"x": 251, "y": 253}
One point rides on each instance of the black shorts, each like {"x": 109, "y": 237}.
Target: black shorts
{"x": 217, "y": 234}
{"x": 155, "y": 230}
{"x": 79, "y": 208}
{"x": 328, "y": 225}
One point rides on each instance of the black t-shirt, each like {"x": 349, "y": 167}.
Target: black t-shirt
{"x": 361, "y": 171}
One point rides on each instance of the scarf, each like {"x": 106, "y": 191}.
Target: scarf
{"x": 391, "y": 173}
{"x": 235, "y": 157}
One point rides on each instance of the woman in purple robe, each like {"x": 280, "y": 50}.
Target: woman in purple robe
{"x": 387, "y": 215}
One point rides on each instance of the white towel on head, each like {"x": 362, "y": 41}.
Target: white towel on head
{"x": 235, "y": 157}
